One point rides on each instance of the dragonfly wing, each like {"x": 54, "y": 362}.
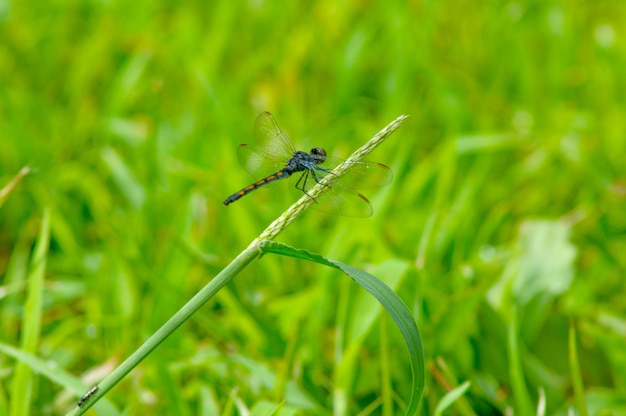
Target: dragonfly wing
{"x": 366, "y": 175}
{"x": 361, "y": 175}
{"x": 271, "y": 151}
{"x": 259, "y": 163}
{"x": 337, "y": 200}
{"x": 270, "y": 138}
{"x": 343, "y": 202}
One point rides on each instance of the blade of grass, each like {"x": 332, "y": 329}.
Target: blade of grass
{"x": 14, "y": 281}
{"x": 56, "y": 375}
{"x": 365, "y": 311}
{"x": 22, "y": 386}
{"x": 388, "y": 299}
{"x": 448, "y": 380}
{"x": 523, "y": 404}
{"x": 265, "y": 408}
{"x": 450, "y": 397}
{"x": 577, "y": 379}
{"x": 385, "y": 370}
{"x": 4, "y": 192}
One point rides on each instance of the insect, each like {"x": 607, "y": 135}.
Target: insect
{"x": 273, "y": 157}
{"x": 87, "y": 395}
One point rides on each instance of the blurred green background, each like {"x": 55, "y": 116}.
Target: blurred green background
{"x": 504, "y": 227}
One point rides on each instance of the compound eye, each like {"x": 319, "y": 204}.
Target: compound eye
{"x": 318, "y": 151}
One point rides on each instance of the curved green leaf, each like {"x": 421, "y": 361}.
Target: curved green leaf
{"x": 388, "y": 299}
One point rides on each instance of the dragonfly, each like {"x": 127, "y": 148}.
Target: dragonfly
{"x": 274, "y": 157}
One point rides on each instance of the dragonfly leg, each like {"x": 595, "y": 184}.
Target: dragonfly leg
{"x": 324, "y": 169}
{"x": 301, "y": 183}
{"x": 317, "y": 178}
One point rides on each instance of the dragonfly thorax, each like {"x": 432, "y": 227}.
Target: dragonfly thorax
{"x": 302, "y": 161}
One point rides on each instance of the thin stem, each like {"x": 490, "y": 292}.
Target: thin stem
{"x": 296, "y": 209}
{"x": 195, "y": 303}
{"x": 226, "y": 275}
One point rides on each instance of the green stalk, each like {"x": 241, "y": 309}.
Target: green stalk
{"x": 226, "y": 275}
{"x": 195, "y": 303}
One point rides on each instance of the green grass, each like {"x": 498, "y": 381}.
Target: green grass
{"x": 503, "y": 230}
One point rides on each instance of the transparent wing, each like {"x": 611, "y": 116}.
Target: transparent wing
{"x": 270, "y": 138}
{"x": 337, "y": 201}
{"x": 342, "y": 197}
{"x": 272, "y": 149}
{"x": 258, "y": 163}
{"x": 361, "y": 175}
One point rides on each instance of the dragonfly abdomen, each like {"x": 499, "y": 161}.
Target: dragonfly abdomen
{"x": 281, "y": 174}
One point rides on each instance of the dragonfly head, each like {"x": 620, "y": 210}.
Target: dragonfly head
{"x": 319, "y": 155}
